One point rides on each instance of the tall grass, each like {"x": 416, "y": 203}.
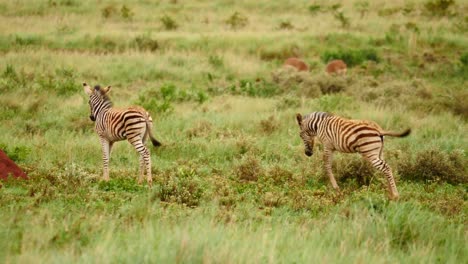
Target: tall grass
{"x": 231, "y": 182}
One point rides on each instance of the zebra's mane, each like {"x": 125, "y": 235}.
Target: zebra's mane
{"x": 105, "y": 96}
{"x": 317, "y": 114}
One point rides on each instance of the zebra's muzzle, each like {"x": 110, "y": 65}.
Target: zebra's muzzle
{"x": 92, "y": 118}
{"x": 308, "y": 153}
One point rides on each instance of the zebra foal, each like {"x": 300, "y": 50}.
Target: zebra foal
{"x": 348, "y": 136}
{"x": 113, "y": 124}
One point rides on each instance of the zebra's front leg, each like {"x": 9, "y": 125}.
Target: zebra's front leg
{"x": 327, "y": 158}
{"x": 106, "y": 148}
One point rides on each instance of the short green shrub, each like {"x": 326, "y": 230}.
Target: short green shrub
{"x": 340, "y": 16}
{"x": 314, "y": 9}
{"x": 63, "y": 82}
{"x": 249, "y": 169}
{"x": 433, "y": 165}
{"x": 279, "y": 175}
{"x": 29, "y": 40}
{"x": 254, "y": 88}
{"x": 16, "y": 153}
{"x": 281, "y": 52}
{"x": 126, "y": 12}
{"x": 351, "y": 57}
{"x": 285, "y": 25}
{"x": 269, "y": 125}
{"x": 169, "y": 23}
{"x": 145, "y": 43}
{"x": 237, "y": 21}
{"x": 108, "y": 11}
{"x": 362, "y": 7}
{"x": 290, "y": 81}
{"x": 438, "y": 7}
{"x": 464, "y": 59}
{"x": 161, "y": 100}
{"x": 126, "y": 184}
{"x": 180, "y": 185}
{"x": 216, "y": 61}
{"x": 355, "y": 168}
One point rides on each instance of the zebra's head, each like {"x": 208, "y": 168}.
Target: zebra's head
{"x": 97, "y": 99}
{"x": 307, "y": 135}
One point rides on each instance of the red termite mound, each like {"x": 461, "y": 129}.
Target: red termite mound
{"x": 298, "y": 64}
{"x": 9, "y": 167}
{"x": 336, "y": 67}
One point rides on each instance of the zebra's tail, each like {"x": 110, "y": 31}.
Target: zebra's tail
{"x": 397, "y": 134}
{"x": 149, "y": 124}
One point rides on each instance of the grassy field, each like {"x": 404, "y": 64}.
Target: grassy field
{"x": 231, "y": 182}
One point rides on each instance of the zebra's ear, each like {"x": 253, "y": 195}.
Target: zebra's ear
{"x": 299, "y": 119}
{"x": 106, "y": 90}
{"x": 87, "y": 89}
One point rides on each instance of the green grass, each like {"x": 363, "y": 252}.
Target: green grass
{"x": 231, "y": 182}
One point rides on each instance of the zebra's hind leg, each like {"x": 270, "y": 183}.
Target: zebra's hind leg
{"x": 142, "y": 170}
{"x": 327, "y": 158}
{"x": 145, "y": 158}
{"x": 383, "y": 167}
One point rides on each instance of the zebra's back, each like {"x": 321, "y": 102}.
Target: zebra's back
{"x": 349, "y": 136}
{"x": 120, "y": 124}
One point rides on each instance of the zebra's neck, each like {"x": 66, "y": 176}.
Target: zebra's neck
{"x": 102, "y": 108}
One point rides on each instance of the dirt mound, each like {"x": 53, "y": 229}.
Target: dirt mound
{"x": 296, "y": 63}
{"x": 7, "y": 167}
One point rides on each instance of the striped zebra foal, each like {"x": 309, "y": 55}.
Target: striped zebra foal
{"x": 112, "y": 125}
{"x": 348, "y": 136}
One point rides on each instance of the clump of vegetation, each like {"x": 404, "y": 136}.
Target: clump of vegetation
{"x": 249, "y": 169}
{"x": 161, "y": 100}
{"x": 145, "y": 43}
{"x": 108, "y": 11}
{"x": 126, "y": 12}
{"x": 330, "y": 84}
{"x": 279, "y": 175}
{"x": 201, "y": 129}
{"x": 304, "y": 84}
{"x": 28, "y": 40}
{"x": 11, "y": 79}
{"x": 216, "y": 61}
{"x": 362, "y": 7}
{"x": 464, "y": 59}
{"x": 169, "y": 23}
{"x": 63, "y": 82}
{"x": 288, "y": 102}
{"x": 356, "y": 169}
{"x": 439, "y": 7}
{"x": 280, "y": 52}
{"x": 285, "y": 25}
{"x": 246, "y": 145}
{"x": 433, "y": 165}
{"x": 351, "y": 57}
{"x": 269, "y": 125}
{"x": 106, "y": 44}
{"x": 237, "y": 21}
{"x": 17, "y": 153}
{"x": 340, "y": 16}
{"x": 314, "y": 8}
{"x": 255, "y": 88}
{"x": 181, "y": 185}
{"x": 272, "y": 199}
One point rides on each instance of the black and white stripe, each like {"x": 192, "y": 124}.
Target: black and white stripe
{"x": 348, "y": 136}
{"x": 111, "y": 124}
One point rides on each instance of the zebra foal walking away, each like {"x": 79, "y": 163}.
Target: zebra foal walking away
{"x": 348, "y": 136}
{"x": 112, "y": 124}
